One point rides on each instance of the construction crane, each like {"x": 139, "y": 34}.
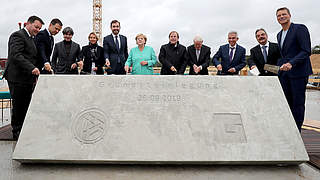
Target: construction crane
{"x": 97, "y": 19}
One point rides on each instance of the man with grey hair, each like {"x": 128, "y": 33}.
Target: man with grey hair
{"x": 232, "y": 55}
{"x": 264, "y": 53}
{"x": 198, "y": 57}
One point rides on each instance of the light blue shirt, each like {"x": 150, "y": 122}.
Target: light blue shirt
{"x": 283, "y": 36}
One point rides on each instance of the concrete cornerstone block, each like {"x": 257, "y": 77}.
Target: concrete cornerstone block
{"x": 159, "y": 120}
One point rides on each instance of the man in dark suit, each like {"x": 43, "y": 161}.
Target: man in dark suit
{"x": 44, "y": 42}
{"x": 264, "y": 53}
{"x": 198, "y": 57}
{"x": 233, "y": 56}
{"x": 173, "y": 56}
{"x": 115, "y": 50}
{"x": 21, "y": 71}
{"x": 295, "y": 67}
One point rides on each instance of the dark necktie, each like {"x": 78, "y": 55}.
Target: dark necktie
{"x": 118, "y": 48}
{"x": 231, "y": 53}
{"x": 117, "y": 43}
{"x": 51, "y": 41}
{"x": 264, "y": 52}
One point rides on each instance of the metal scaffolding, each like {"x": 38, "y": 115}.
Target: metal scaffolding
{"x": 97, "y": 19}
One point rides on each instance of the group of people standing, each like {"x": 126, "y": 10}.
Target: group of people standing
{"x": 30, "y": 50}
{"x": 67, "y": 56}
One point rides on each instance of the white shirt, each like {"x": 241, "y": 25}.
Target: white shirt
{"x": 49, "y": 32}
{"x": 234, "y": 50}
{"x": 114, "y": 39}
{"x": 267, "y": 47}
{"x": 28, "y": 32}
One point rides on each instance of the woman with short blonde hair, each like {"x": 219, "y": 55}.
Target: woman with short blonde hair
{"x": 141, "y": 58}
{"x": 92, "y": 56}
{"x": 142, "y": 35}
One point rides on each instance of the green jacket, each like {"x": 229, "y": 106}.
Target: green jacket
{"x": 136, "y": 56}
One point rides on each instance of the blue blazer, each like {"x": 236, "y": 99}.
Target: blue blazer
{"x": 112, "y": 53}
{"x": 238, "y": 62}
{"x": 44, "y": 46}
{"x": 296, "y": 50}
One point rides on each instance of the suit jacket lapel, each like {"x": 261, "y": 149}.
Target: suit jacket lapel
{"x": 121, "y": 42}
{"x": 270, "y": 51}
{"x": 193, "y": 54}
{"x": 50, "y": 38}
{"x": 71, "y": 48}
{"x": 260, "y": 55}
{"x": 64, "y": 48}
{"x": 30, "y": 39}
{"x": 286, "y": 38}
{"x": 279, "y": 39}
{"x": 226, "y": 51}
{"x": 113, "y": 43}
{"x": 201, "y": 54}
{"x": 236, "y": 52}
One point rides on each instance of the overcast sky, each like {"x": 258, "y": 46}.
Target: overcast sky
{"x": 212, "y": 19}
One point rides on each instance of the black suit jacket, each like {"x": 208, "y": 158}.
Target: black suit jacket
{"x": 171, "y": 55}
{"x": 256, "y": 58}
{"x": 86, "y": 56}
{"x": 22, "y": 58}
{"x": 204, "y": 59}
{"x": 44, "y": 45}
{"x": 112, "y": 53}
{"x": 61, "y": 63}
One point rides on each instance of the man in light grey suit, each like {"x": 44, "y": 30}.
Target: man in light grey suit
{"x": 66, "y": 54}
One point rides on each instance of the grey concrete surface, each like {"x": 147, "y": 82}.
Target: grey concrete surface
{"x": 12, "y": 170}
{"x": 159, "y": 119}
{"x": 313, "y": 105}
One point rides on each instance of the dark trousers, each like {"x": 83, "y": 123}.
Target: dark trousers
{"x": 21, "y": 96}
{"x": 295, "y": 92}
{"x": 117, "y": 69}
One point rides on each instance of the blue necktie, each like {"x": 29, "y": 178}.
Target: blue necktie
{"x": 51, "y": 41}
{"x": 264, "y": 52}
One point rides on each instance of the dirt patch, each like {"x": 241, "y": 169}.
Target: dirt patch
{"x": 315, "y": 62}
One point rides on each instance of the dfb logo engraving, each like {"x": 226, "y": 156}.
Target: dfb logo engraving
{"x": 89, "y": 126}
